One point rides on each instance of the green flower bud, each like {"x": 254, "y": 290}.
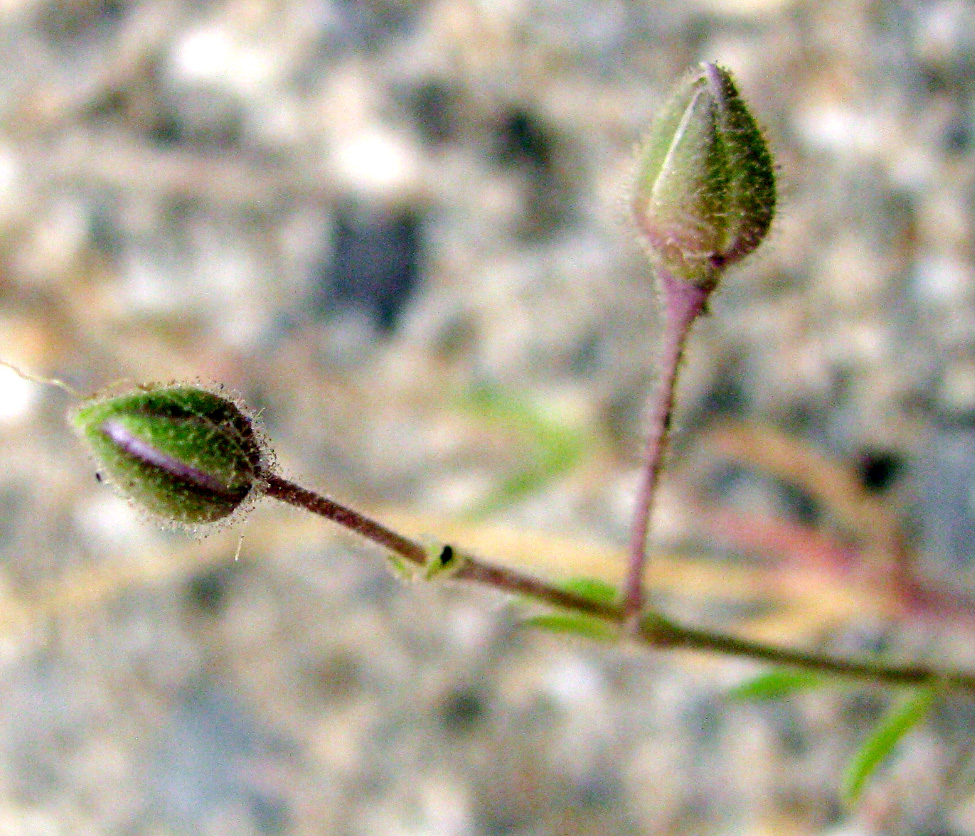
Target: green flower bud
{"x": 186, "y": 454}
{"x": 705, "y": 191}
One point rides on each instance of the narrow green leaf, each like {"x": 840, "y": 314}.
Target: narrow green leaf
{"x": 555, "y": 445}
{"x": 882, "y": 740}
{"x": 580, "y": 625}
{"x": 775, "y": 684}
{"x": 596, "y": 590}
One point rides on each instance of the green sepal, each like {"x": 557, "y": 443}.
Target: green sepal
{"x": 186, "y": 454}
{"x": 705, "y": 190}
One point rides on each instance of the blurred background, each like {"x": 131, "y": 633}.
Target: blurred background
{"x": 400, "y": 231}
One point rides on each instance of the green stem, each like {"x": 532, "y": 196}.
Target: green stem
{"x": 661, "y": 632}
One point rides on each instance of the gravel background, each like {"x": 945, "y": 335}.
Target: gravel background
{"x": 399, "y": 231}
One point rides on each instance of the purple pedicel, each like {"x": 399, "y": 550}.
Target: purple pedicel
{"x": 147, "y": 454}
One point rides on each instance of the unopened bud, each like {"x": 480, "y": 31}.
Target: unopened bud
{"x": 186, "y": 454}
{"x": 705, "y": 191}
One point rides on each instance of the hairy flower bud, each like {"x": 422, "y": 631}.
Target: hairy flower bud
{"x": 186, "y": 454}
{"x": 705, "y": 191}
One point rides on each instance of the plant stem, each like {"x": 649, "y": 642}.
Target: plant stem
{"x": 653, "y": 631}
{"x": 684, "y": 302}
{"x": 662, "y": 632}
{"x": 472, "y": 569}
{"x": 286, "y": 491}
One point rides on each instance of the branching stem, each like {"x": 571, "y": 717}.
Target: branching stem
{"x": 654, "y": 630}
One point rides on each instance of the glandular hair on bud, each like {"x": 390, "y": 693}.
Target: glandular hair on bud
{"x": 705, "y": 190}
{"x": 187, "y": 454}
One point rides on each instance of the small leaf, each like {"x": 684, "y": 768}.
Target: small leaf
{"x": 556, "y": 444}
{"x": 580, "y": 625}
{"x": 596, "y": 590}
{"x": 567, "y": 621}
{"x": 775, "y": 684}
{"x": 402, "y": 568}
{"x": 882, "y": 740}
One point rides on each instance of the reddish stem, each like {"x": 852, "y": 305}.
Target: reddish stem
{"x": 684, "y": 302}
{"x": 654, "y": 630}
{"x": 500, "y": 577}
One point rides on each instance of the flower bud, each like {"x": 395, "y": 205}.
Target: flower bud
{"x": 184, "y": 453}
{"x": 705, "y": 191}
